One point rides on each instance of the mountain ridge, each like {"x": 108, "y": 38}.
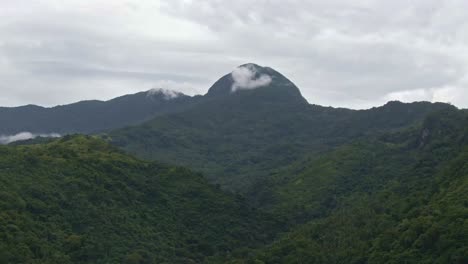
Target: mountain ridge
{"x": 90, "y": 116}
{"x": 247, "y": 82}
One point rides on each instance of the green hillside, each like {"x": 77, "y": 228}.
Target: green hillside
{"x": 79, "y": 200}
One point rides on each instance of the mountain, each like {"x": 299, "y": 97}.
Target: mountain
{"x": 92, "y": 116}
{"x": 283, "y": 181}
{"x": 239, "y": 136}
{"x": 97, "y": 116}
{"x": 79, "y": 200}
{"x": 384, "y": 185}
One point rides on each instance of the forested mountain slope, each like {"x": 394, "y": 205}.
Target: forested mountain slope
{"x": 79, "y": 200}
{"x": 239, "y": 138}
{"x": 398, "y": 198}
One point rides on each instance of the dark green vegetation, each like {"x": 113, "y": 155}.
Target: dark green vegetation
{"x": 315, "y": 185}
{"x": 90, "y": 116}
{"x": 78, "y": 200}
{"x": 370, "y": 186}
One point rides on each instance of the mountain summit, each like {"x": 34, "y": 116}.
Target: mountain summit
{"x": 255, "y": 79}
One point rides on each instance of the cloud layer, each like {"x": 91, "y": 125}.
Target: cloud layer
{"x": 343, "y": 53}
{"x": 7, "y": 139}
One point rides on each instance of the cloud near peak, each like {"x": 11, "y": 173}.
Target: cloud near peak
{"x": 7, "y": 139}
{"x": 245, "y": 78}
{"x": 166, "y": 93}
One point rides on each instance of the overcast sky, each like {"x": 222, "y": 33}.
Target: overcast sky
{"x": 356, "y": 54}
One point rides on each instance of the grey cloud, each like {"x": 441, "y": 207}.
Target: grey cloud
{"x": 360, "y": 51}
{"x": 50, "y": 62}
{"x": 342, "y": 53}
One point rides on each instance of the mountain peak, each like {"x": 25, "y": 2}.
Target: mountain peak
{"x": 250, "y": 77}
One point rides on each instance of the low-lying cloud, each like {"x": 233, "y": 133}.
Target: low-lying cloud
{"x": 245, "y": 78}
{"x": 166, "y": 93}
{"x": 7, "y": 139}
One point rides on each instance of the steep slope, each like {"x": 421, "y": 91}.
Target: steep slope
{"x": 78, "y": 200}
{"x": 238, "y": 137}
{"x": 398, "y": 198}
{"x": 92, "y": 116}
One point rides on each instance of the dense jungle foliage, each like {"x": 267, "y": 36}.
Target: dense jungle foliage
{"x": 79, "y": 200}
{"x": 240, "y": 139}
{"x": 399, "y": 198}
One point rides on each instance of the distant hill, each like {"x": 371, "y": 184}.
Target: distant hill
{"x": 92, "y": 116}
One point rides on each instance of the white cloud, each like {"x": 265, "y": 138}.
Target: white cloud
{"x": 247, "y": 78}
{"x": 455, "y": 95}
{"x": 410, "y": 96}
{"x": 183, "y": 86}
{"x": 7, "y": 139}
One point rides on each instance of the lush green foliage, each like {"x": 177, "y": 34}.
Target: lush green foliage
{"x": 396, "y": 197}
{"x": 240, "y": 139}
{"x": 400, "y": 198}
{"x": 78, "y": 200}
